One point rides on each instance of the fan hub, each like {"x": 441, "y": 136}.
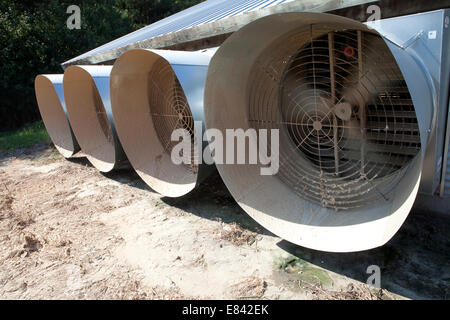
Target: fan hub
{"x": 317, "y": 125}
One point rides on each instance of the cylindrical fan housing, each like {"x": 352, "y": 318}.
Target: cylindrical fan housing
{"x": 50, "y": 99}
{"x": 86, "y": 91}
{"x": 351, "y": 143}
{"x": 153, "y": 93}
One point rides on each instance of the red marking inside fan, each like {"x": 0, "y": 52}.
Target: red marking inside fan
{"x": 349, "y": 52}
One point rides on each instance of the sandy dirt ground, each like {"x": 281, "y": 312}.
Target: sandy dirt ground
{"x": 70, "y": 232}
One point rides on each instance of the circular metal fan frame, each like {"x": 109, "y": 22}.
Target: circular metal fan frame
{"x": 347, "y": 123}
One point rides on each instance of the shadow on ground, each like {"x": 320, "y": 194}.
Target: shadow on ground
{"x": 212, "y": 200}
{"x": 128, "y": 176}
{"x": 414, "y": 264}
{"x": 39, "y": 150}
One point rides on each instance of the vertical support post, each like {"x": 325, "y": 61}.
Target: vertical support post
{"x": 333, "y": 101}
{"x": 362, "y": 106}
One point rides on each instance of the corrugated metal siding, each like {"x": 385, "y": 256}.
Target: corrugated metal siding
{"x": 205, "y": 12}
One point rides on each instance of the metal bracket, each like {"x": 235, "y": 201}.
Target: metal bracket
{"x": 408, "y": 42}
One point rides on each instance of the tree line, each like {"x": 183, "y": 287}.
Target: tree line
{"x": 35, "y": 40}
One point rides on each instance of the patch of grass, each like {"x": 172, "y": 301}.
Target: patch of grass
{"x": 23, "y": 138}
{"x": 47, "y": 157}
{"x": 315, "y": 276}
{"x": 304, "y": 270}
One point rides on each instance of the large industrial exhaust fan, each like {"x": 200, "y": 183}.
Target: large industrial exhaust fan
{"x": 86, "y": 90}
{"x": 349, "y": 119}
{"x": 50, "y": 99}
{"x": 354, "y": 110}
{"x": 153, "y": 93}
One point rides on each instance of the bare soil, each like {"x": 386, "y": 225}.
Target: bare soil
{"x": 70, "y": 232}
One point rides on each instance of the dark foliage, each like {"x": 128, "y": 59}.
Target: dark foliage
{"x": 36, "y": 40}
